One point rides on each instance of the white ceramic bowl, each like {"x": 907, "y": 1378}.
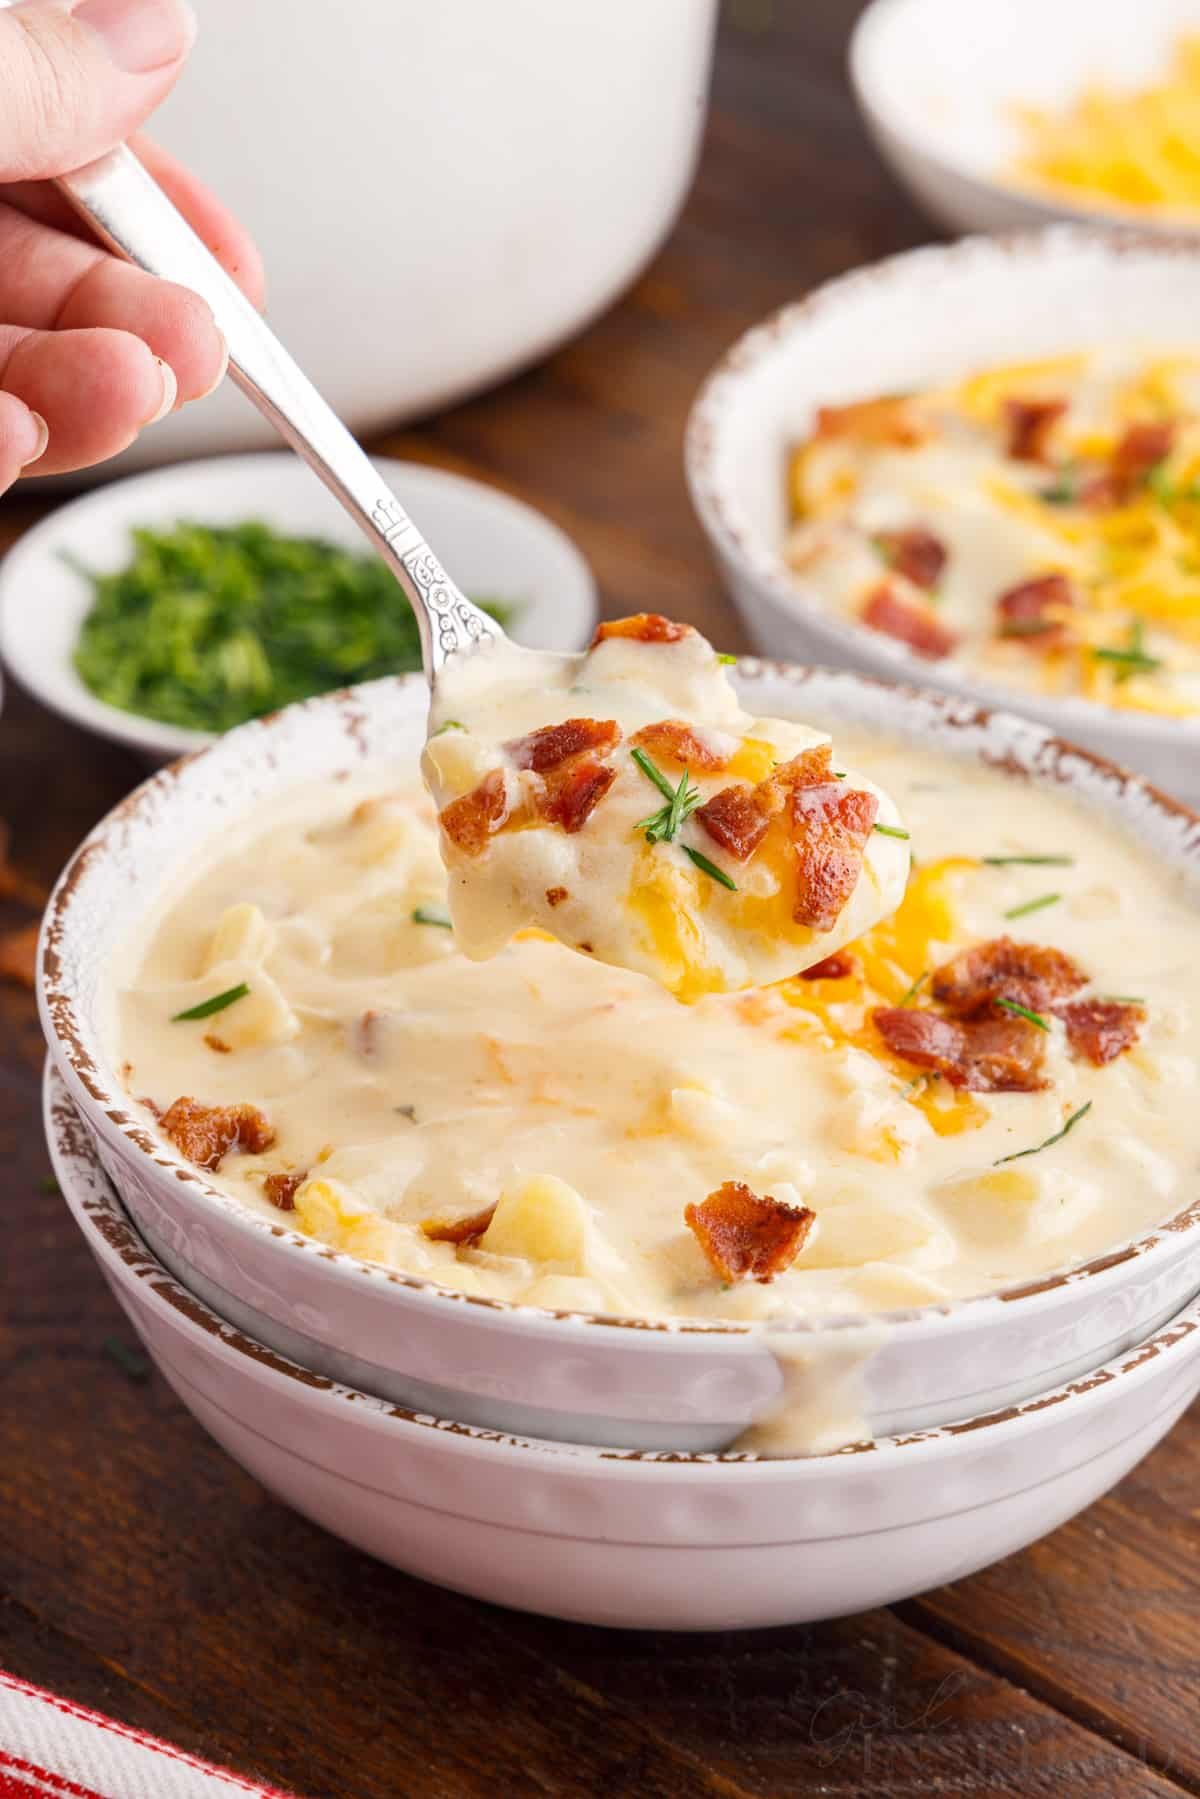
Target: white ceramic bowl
{"x": 495, "y": 546}
{"x": 676, "y": 1542}
{"x": 939, "y": 82}
{"x": 675, "y": 1385}
{"x": 927, "y": 316}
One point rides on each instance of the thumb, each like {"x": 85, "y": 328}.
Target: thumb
{"x": 78, "y": 76}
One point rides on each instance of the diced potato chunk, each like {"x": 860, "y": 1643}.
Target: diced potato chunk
{"x": 542, "y": 1220}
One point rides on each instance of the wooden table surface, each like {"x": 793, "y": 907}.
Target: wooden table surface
{"x": 143, "y": 1573}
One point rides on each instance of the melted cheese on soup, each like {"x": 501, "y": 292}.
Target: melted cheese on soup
{"x": 546, "y": 1128}
{"x": 624, "y": 802}
{"x": 1038, "y": 524}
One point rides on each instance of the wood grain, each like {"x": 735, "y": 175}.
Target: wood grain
{"x": 143, "y": 1573}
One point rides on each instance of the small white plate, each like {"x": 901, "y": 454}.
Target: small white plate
{"x": 939, "y": 82}
{"x": 495, "y": 547}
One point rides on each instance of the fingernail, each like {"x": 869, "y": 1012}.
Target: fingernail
{"x": 43, "y": 437}
{"x": 170, "y": 391}
{"x": 140, "y": 35}
{"x": 220, "y": 374}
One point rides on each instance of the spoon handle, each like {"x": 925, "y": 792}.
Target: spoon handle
{"x": 132, "y": 215}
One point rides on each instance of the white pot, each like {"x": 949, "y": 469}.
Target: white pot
{"x": 440, "y": 192}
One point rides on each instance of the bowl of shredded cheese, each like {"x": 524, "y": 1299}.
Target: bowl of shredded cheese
{"x": 1007, "y": 112}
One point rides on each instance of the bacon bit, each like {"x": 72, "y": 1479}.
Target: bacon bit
{"x": 643, "y": 627}
{"x": 830, "y": 827}
{"x": 18, "y": 955}
{"x": 572, "y": 799}
{"x": 471, "y": 822}
{"x": 217, "y": 1044}
{"x": 1099, "y": 492}
{"x": 281, "y": 1189}
{"x": 1029, "y": 611}
{"x": 1029, "y": 974}
{"x": 985, "y": 1055}
{"x": 466, "y": 1230}
{"x": 205, "y": 1134}
{"x": 737, "y": 817}
{"x": 888, "y": 419}
{"x": 553, "y": 745}
{"x": 1100, "y": 1030}
{"x": 734, "y": 819}
{"x": 834, "y": 968}
{"x": 1029, "y": 426}
{"x": 556, "y": 895}
{"x": 908, "y": 621}
{"x": 915, "y": 553}
{"x": 365, "y": 1031}
{"x": 809, "y": 769}
{"x": 1140, "y": 449}
{"x": 744, "y": 1235}
{"x": 671, "y": 740}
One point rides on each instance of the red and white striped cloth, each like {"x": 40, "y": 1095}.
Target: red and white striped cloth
{"x": 51, "y": 1748}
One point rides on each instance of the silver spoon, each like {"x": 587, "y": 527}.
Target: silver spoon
{"x": 132, "y": 216}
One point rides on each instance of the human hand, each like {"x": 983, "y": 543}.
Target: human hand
{"x": 92, "y": 349}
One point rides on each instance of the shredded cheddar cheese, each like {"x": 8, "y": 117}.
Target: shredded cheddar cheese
{"x": 1136, "y": 147}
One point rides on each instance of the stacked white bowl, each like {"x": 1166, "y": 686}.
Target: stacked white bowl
{"x": 577, "y": 1465}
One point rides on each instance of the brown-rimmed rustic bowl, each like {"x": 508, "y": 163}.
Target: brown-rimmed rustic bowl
{"x": 614, "y": 1537}
{"x": 926, "y": 317}
{"x": 674, "y": 1385}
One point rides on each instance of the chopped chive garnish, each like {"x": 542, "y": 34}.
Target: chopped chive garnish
{"x": 48, "y": 1184}
{"x": 915, "y": 988}
{"x": 663, "y": 825}
{"x": 835, "y": 774}
{"x": 208, "y": 1007}
{"x": 1010, "y": 1005}
{"x": 725, "y": 657}
{"x": 1033, "y": 905}
{"x": 1065, "y": 490}
{"x": 917, "y": 1081}
{"x": 1168, "y": 492}
{"x": 432, "y": 915}
{"x": 1028, "y": 861}
{"x": 1131, "y": 661}
{"x": 1160, "y": 483}
{"x": 891, "y": 831}
{"x": 709, "y": 868}
{"x": 1120, "y": 999}
{"x": 451, "y": 724}
{"x": 1057, "y": 1138}
{"x": 654, "y": 774}
{"x": 210, "y": 625}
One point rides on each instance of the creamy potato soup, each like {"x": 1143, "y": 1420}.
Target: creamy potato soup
{"x": 1036, "y": 524}
{"x": 992, "y": 1083}
{"x": 624, "y": 802}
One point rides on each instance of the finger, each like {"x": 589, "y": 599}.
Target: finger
{"x": 49, "y": 281}
{"x": 228, "y": 240}
{"x": 95, "y": 389}
{"x": 23, "y": 438}
{"x": 79, "y": 76}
